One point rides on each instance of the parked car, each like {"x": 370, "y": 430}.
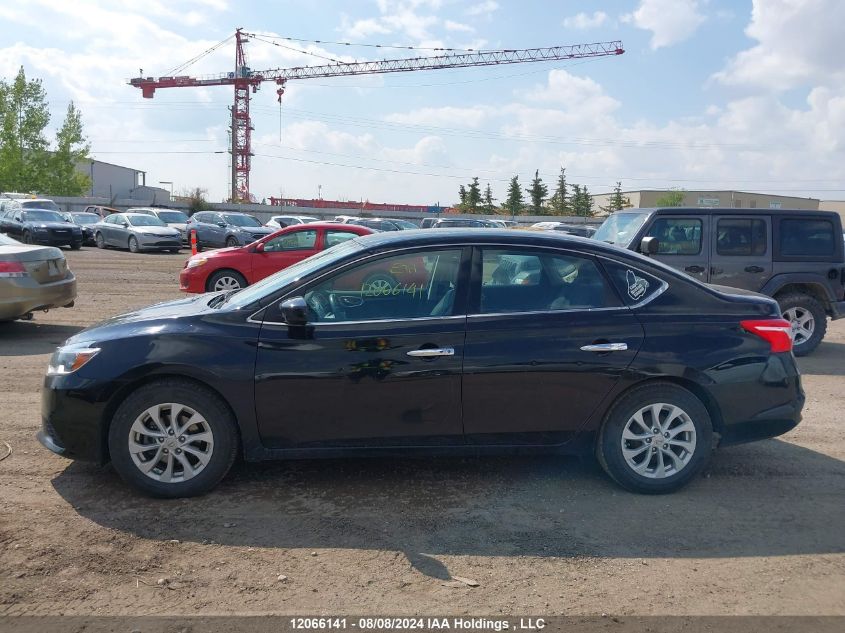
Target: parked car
{"x": 449, "y": 223}
{"x": 233, "y": 268}
{"x": 345, "y": 219}
{"x": 86, "y": 222}
{"x": 281, "y": 221}
{"x": 171, "y": 217}
{"x": 33, "y": 278}
{"x": 226, "y": 229}
{"x": 426, "y": 223}
{"x": 377, "y": 224}
{"x": 602, "y": 350}
{"x": 137, "y": 232}
{"x": 793, "y": 256}
{"x": 100, "y": 210}
{"x": 581, "y": 230}
{"x": 32, "y": 225}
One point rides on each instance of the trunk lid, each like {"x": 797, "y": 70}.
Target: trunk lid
{"x": 45, "y": 264}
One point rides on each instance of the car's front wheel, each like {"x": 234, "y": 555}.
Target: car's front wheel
{"x": 655, "y": 438}
{"x": 133, "y": 244}
{"x": 173, "y": 438}
{"x": 226, "y": 280}
{"x": 231, "y": 242}
{"x": 100, "y": 240}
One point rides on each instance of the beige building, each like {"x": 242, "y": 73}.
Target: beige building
{"x": 647, "y": 198}
{"x": 834, "y": 205}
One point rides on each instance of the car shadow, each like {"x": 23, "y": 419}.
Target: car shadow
{"x": 826, "y": 359}
{"x": 27, "y": 338}
{"x": 771, "y": 498}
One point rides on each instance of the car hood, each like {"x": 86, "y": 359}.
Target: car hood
{"x": 155, "y": 230}
{"x": 258, "y": 230}
{"x": 179, "y": 226}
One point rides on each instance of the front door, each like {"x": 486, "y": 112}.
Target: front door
{"x": 283, "y": 251}
{"x": 681, "y": 244}
{"x": 741, "y": 251}
{"x": 371, "y": 368}
{"x": 547, "y": 339}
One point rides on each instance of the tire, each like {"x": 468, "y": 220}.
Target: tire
{"x": 133, "y": 244}
{"x": 643, "y": 453}
{"x": 75, "y": 246}
{"x": 211, "y": 454}
{"x": 379, "y": 283}
{"x": 231, "y": 242}
{"x": 175, "y": 251}
{"x": 808, "y": 318}
{"x": 225, "y": 279}
{"x": 27, "y": 238}
{"x": 99, "y": 240}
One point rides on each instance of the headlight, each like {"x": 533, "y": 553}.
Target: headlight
{"x": 67, "y": 360}
{"x": 193, "y": 263}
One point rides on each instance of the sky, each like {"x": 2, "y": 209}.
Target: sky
{"x": 710, "y": 94}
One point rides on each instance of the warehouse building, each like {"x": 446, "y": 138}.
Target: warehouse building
{"x": 647, "y": 198}
{"x": 111, "y": 181}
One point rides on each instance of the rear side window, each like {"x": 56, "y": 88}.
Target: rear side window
{"x": 806, "y": 238}
{"x": 677, "y": 236}
{"x": 523, "y": 281}
{"x": 740, "y": 237}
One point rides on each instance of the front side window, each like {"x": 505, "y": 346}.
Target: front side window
{"x": 740, "y": 237}
{"x": 802, "y": 238}
{"x": 145, "y": 220}
{"x": 524, "y": 281}
{"x": 294, "y": 241}
{"x": 677, "y": 236}
{"x": 405, "y": 286}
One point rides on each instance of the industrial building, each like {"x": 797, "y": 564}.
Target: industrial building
{"x": 646, "y": 198}
{"x": 116, "y": 181}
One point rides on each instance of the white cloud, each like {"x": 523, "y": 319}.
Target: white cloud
{"x": 797, "y": 44}
{"x": 362, "y": 29}
{"x": 585, "y": 21}
{"x": 670, "y": 21}
{"x": 451, "y": 25}
{"x": 483, "y": 8}
{"x": 446, "y": 116}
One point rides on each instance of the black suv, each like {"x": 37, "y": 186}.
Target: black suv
{"x": 794, "y": 256}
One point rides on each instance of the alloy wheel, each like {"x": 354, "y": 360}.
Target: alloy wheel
{"x": 171, "y": 442}
{"x": 802, "y": 322}
{"x": 227, "y": 282}
{"x": 658, "y": 440}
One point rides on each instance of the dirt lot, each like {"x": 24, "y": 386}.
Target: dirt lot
{"x": 761, "y": 533}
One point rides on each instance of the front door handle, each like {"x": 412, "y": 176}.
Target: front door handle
{"x": 754, "y": 269}
{"x": 432, "y": 353}
{"x": 694, "y": 269}
{"x": 605, "y": 347}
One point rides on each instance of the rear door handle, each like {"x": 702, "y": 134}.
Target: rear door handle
{"x": 605, "y": 347}
{"x": 754, "y": 269}
{"x": 716, "y": 271}
{"x": 432, "y": 353}
{"x": 694, "y": 269}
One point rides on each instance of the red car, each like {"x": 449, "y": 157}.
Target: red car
{"x": 232, "y": 268}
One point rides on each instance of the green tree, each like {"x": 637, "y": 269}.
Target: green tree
{"x": 582, "y": 201}
{"x": 617, "y": 201}
{"x": 674, "y": 198}
{"x": 537, "y": 192}
{"x": 63, "y": 178}
{"x": 559, "y": 202}
{"x": 24, "y": 115}
{"x": 197, "y": 199}
{"x": 487, "y": 200}
{"x": 513, "y": 203}
{"x": 462, "y": 194}
{"x": 473, "y": 196}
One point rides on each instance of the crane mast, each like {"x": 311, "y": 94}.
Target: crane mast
{"x": 245, "y": 80}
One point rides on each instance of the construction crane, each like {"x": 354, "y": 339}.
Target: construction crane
{"x": 246, "y": 80}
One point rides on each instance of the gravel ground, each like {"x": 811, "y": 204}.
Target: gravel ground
{"x": 760, "y": 533}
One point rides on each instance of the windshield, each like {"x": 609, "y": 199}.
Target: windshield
{"x": 42, "y": 216}
{"x": 40, "y": 204}
{"x": 176, "y": 217}
{"x": 85, "y": 218}
{"x": 404, "y": 224}
{"x": 288, "y": 275}
{"x": 140, "y": 210}
{"x": 5, "y": 240}
{"x": 620, "y": 228}
{"x": 241, "y": 220}
{"x": 144, "y": 220}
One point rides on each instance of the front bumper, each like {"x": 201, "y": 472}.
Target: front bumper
{"x": 837, "y": 310}
{"x": 159, "y": 241}
{"x": 193, "y": 280}
{"x": 52, "y": 239}
{"x": 72, "y": 411}
{"x": 25, "y": 295}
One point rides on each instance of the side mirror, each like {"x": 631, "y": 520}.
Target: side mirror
{"x": 649, "y": 245}
{"x": 222, "y": 225}
{"x": 124, "y": 224}
{"x": 294, "y": 311}
{"x": 258, "y": 248}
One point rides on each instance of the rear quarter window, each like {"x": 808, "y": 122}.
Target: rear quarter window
{"x": 632, "y": 284}
{"x": 810, "y": 238}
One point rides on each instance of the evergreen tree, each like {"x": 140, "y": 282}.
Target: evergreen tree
{"x": 487, "y": 200}
{"x": 63, "y": 177}
{"x": 559, "y": 202}
{"x": 513, "y": 203}
{"x": 473, "y": 196}
{"x": 462, "y": 194}
{"x": 586, "y": 203}
{"x": 538, "y": 192}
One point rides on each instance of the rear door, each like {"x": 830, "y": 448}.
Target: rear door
{"x": 681, "y": 243}
{"x": 547, "y": 339}
{"x": 284, "y": 250}
{"x": 741, "y": 251}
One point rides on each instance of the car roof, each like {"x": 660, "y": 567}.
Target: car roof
{"x": 725, "y": 211}
{"x": 330, "y": 226}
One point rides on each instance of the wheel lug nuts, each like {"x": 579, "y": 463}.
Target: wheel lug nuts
{"x": 655, "y": 430}
{"x": 653, "y": 449}
{"x": 182, "y": 438}
{"x": 170, "y": 432}
{"x": 666, "y": 434}
{"x": 165, "y": 451}
{"x": 178, "y": 451}
{"x": 648, "y": 440}
{"x": 160, "y": 440}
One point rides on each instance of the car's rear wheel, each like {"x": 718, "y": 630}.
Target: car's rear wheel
{"x": 99, "y": 240}
{"x": 808, "y": 320}
{"x": 231, "y": 242}
{"x": 655, "y": 438}
{"x": 225, "y": 280}
{"x": 173, "y": 438}
{"x": 133, "y": 244}
{"x": 27, "y": 237}
{"x": 76, "y": 246}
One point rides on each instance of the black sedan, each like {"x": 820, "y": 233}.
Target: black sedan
{"x": 41, "y": 226}
{"x": 489, "y": 340}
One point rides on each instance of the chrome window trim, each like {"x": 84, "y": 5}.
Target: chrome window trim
{"x": 346, "y": 323}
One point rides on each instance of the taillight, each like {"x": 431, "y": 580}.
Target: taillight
{"x": 12, "y": 269}
{"x": 778, "y": 332}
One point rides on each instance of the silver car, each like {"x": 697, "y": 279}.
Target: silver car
{"x": 171, "y": 217}
{"x": 137, "y": 232}
{"x": 33, "y": 278}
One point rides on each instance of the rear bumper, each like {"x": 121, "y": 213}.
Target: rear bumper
{"x": 837, "y": 310}
{"x": 26, "y": 295}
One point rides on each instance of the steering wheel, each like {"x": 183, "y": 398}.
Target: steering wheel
{"x": 336, "y": 307}
{"x": 321, "y": 303}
